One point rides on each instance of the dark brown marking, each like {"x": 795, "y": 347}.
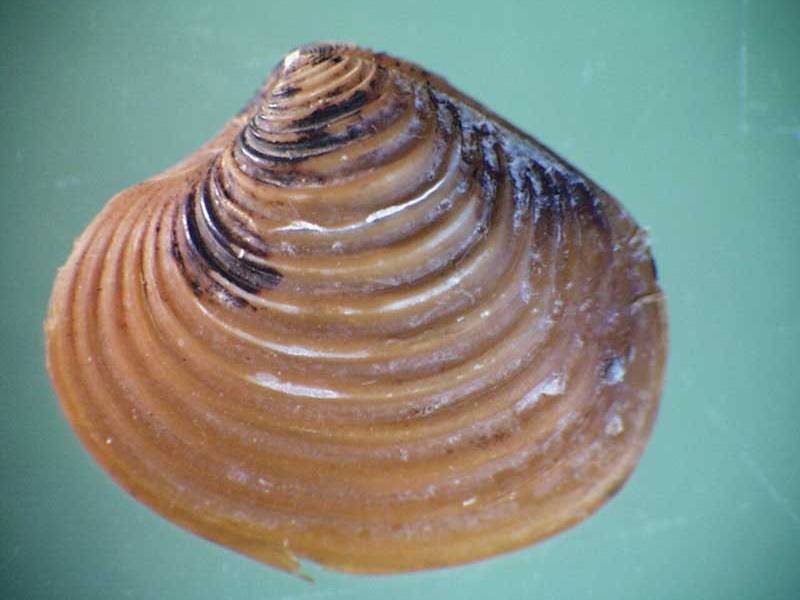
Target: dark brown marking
{"x": 332, "y": 111}
{"x": 245, "y": 275}
{"x": 286, "y": 91}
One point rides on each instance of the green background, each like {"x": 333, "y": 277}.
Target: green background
{"x": 688, "y": 111}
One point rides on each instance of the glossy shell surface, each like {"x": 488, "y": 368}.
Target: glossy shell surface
{"x": 370, "y": 323}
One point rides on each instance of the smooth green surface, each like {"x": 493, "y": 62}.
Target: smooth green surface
{"x": 688, "y": 111}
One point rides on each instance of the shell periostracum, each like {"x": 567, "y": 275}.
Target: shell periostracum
{"x": 370, "y": 323}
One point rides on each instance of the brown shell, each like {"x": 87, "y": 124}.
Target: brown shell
{"x": 370, "y": 323}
